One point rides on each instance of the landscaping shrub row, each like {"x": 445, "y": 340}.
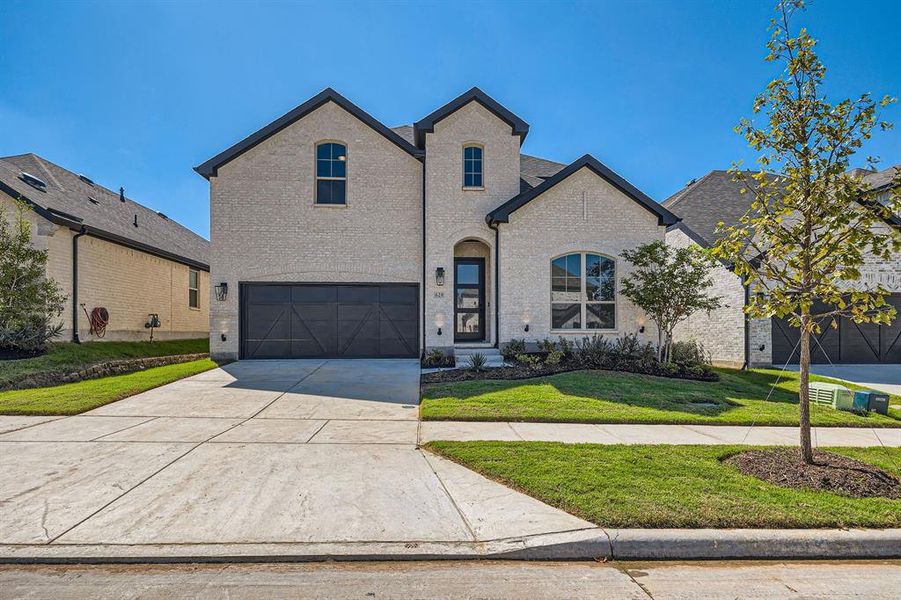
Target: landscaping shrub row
{"x": 626, "y": 353}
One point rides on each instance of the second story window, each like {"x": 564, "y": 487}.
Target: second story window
{"x": 331, "y": 173}
{"x": 472, "y": 167}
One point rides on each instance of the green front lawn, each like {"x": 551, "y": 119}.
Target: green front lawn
{"x": 74, "y": 398}
{"x": 669, "y": 486}
{"x": 67, "y": 357}
{"x": 739, "y": 398}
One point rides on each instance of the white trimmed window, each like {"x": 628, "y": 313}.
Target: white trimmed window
{"x": 583, "y": 292}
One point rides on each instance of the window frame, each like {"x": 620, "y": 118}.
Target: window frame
{"x": 317, "y": 178}
{"x": 481, "y": 171}
{"x": 196, "y": 290}
{"x": 583, "y": 301}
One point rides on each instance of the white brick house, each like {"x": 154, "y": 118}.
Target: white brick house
{"x": 733, "y": 340}
{"x": 336, "y": 236}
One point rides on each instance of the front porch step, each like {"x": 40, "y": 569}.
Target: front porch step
{"x": 487, "y": 351}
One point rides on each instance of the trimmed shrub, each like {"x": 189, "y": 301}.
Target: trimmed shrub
{"x": 512, "y": 348}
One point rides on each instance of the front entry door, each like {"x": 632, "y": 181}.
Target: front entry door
{"x": 469, "y": 299}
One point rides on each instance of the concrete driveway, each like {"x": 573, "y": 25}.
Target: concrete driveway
{"x": 886, "y": 378}
{"x": 253, "y": 458}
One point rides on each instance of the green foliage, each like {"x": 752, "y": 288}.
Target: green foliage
{"x": 669, "y": 284}
{"x": 689, "y": 352}
{"x": 651, "y": 486}
{"x": 566, "y": 346}
{"x": 477, "y": 361}
{"x": 530, "y": 360}
{"x": 546, "y": 345}
{"x": 74, "y": 398}
{"x": 554, "y": 357}
{"x": 758, "y": 397}
{"x": 434, "y": 357}
{"x": 29, "y": 301}
{"x": 811, "y": 223}
{"x": 513, "y": 347}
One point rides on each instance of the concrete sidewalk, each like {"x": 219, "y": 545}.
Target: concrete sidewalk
{"x": 575, "y": 433}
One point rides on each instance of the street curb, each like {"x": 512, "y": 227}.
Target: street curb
{"x": 588, "y": 544}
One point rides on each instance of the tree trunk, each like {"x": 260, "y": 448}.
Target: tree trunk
{"x": 804, "y": 391}
{"x": 659, "y": 344}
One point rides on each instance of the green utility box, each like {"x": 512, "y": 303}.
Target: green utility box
{"x": 831, "y": 394}
{"x": 871, "y": 401}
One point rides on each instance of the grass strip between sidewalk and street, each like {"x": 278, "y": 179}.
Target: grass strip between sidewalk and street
{"x": 75, "y": 398}
{"x": 670, "y": 486}
{"x": 760, "y": 396}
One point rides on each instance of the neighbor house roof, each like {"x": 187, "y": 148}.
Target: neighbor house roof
{"x": 502, "y": 213}
{"x": 74, "y": 201}
{"x": 715, "y": 198}
{"x": 427, "y": 124}
{"x": 210, "y": 167}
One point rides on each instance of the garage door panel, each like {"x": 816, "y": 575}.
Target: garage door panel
{"x": 851, "y": 343}
{"x": 313, "y": 294}
{"x": 268, "y": 294}
{"x": 329, "y": 321}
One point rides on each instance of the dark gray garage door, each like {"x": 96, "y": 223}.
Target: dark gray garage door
{"x": 851, "y": 343}
{"x": 329, "y": 321}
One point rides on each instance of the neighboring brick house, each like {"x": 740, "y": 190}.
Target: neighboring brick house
{"x": 126, "y": 258}
{"x": 336, "y": 236}
{"x": 734, "y": 341}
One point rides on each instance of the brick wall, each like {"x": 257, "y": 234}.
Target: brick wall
{"x": 129, "y": 283}
{"x": 581, "y": 213}
{"x": 264, "y": 225}
{"x": 722, "y": 331}
{"x": 454, "y": 214}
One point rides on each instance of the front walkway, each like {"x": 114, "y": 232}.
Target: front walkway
{"x": 573, "y": 433}
{"x": 259, "y": 457}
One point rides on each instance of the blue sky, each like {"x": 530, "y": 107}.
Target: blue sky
{"x": 136, "y": 94}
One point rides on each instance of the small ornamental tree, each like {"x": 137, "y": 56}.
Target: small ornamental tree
{"x": 669, "y": 284}
{"x": 29, "y": 301}
{"x": 803, "y": 241}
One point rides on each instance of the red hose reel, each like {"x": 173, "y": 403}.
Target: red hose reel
{"x": 98, "y": 319}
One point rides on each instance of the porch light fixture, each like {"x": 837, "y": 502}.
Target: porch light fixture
{"x": 221, "y": 291}
{"x": 223, "y": 337}
{"x": 526, "y": 328}
{"x": 641, "y": 329}
{"x": 439, "y": 331}
{"x": 439, "y": 276}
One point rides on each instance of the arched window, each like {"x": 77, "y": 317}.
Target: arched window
{"x": 472, "y": 166}
{"x": 583, "y": 292}
{"x": 331, "y": 173}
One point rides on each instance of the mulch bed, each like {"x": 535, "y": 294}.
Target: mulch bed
{"x": 522, "y": 371}
{"x": 829, "y": 473}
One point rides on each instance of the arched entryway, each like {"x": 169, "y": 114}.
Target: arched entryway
{"x": 473, "y": 285}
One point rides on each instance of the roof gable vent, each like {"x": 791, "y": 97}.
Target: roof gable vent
{"x": 162, "y": 215}
{"x": 35, "y": 182}
{"x": 86, "y": 179}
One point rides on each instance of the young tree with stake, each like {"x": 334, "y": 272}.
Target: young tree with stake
{"x": 804, "y": 239}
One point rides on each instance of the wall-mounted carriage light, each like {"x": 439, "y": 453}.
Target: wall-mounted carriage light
{"x": 641, "y": 329}
{"x": 526, "y": 328}
{"x": 221, "y": 291}
{"x": 439, "y": 275}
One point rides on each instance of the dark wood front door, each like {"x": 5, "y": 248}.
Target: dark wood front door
{"x": 469, "y": 299}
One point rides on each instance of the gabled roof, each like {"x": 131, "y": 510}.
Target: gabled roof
{"x": 76, "y": 202}
{"x": 502, "y": 213}
{"x": 427, "y": 124}
{"x": 702, "y": 204}
{"x": 210, "y": 167}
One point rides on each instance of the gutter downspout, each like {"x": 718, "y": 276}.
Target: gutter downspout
{"x": 497, "y": 284}
{"x": 422, "y": 352}
{"x": 75, "y": 337}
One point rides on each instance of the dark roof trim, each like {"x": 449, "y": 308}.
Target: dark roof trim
{"x": 502, "y": 213}
{"x": 427, "y": 124}
{"x": 211, "y": 167}
{"x": 75, "y": 223}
